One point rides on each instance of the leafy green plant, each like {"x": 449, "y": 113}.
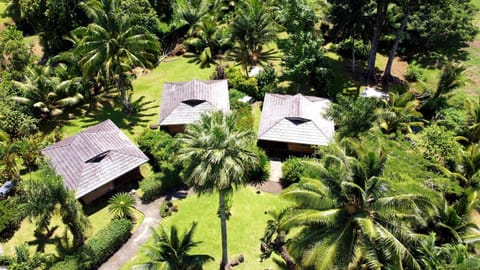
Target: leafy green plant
{"x": 292, "y": 170}
{"x": 414, "y": 73}
{"x": 99, "y": 248}
{"x": 121, "y": 205}
{"x": 362, "y": 49}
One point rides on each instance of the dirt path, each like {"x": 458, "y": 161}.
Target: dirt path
{"x": 142, "y": 233}
{"x": 275, "y": 170}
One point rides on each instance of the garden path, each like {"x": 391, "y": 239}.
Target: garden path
{"x": 142, "y": 233}
{"x": 275, "y": 169}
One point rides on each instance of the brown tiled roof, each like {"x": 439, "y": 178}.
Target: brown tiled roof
{"x": 183, "y": 102}
{"x": 295, "y": 119}
{"x": 94, "y": 157}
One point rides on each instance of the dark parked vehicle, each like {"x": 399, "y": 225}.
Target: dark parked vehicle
{"x": 6, "y": 187}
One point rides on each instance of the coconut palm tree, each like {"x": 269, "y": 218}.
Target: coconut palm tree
{"x": 110, "y": 47}
{"x": 251, "y": 29}
{"x": 400, "y": 113}
{"x": 349, "y": 217}
{"x": 216, "y": 157}
{"x": 207, "y": 42}
{"x": 274, "y": 239}
{"x": 171, "y": 251}
{"x": 47, "y": 94}
{"x": 121, "y": 205}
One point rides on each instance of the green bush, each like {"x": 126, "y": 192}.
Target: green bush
{"x": 99, "y": 248}
{"x": 292, "y": 170}
{"x": 261, "y": 172}
{"x": 344, "y": 49}
{"x": 238, "y": 81}
{"x": 156, "y": 185}
{"x": 414, "y": 73}
{"x": 235, "y": 97}
{"x": 160, "y": 147}
{"x": 9, "y": 219}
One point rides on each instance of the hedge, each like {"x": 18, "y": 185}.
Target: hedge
{"x": 99, "y": 248}
{"x": 156, "y": 185}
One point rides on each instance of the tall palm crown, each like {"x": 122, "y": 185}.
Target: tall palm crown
{"x": 215, "y": 153}
{"x": 252, "y": 28}
{"x": 348, "y": 217}
{"x": 111, "y": 47}
{"x": 216, "y": 157}
{"x": 171, "y": 251}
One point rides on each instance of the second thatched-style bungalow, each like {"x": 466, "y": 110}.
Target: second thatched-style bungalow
{"x": 294, "y": 123}
{"x": 184, "y": 102}
{"x": 95, "y": 161}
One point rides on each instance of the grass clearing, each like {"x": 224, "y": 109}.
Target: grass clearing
{"x": 25, "y": 234}
{"x": 245, "y": 226}
{"x": 147, "y": 93}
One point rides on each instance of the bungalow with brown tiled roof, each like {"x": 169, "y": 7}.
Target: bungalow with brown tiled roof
{"x": 184, "y": 102}
{"x": 96, "y": 160}
{"x": 294, "y": 123}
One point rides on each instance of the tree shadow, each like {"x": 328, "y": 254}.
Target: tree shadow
{"x": 43, "y": 239}
{"x": 115, "y": 111}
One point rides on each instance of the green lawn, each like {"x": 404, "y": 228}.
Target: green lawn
{"x": 147, "y": 92}
{"x": 245, "y": 226}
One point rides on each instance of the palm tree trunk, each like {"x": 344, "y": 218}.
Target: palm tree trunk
{"x": 286, "y": 257}
{"x": 387, "y": 75}
{"x": 223, "y": 226}
{"x": 381, "y": 12}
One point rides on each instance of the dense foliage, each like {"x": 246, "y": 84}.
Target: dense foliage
{"x": 99, "y": 248}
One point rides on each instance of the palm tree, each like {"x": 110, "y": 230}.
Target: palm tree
{"x": 274, "y": 239}
{"x": 450, "y": 79}
{"x": 216, "y": 157}
{"x": 46, "y": 93}
{"x": 473, "y": 112}
{"x": 170, "y": 251}
{"x": 251, "y": 29}
{"x": 193, "y": 11}
{"x": 349, "y": 217}
{"x": 400, "y": 113}
{"x": 110, "y": 47}
{"x": 207, "y": 42}
{"x": 121, "y": 205}
{"x": 43, "y": 195}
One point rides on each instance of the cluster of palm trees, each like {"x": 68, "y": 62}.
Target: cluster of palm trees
{"x": 214, "y": 31}
{"x": 354, "y": 216}
{"x": 105, "y": 53}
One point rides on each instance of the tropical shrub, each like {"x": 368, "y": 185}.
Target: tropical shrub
{"x": 414, "y": 73}
{"x": 167, "y": 208}
{"x": 157, "y": 184}
{"x": 9, "y": 221}
{"x": 235, "y": 97}
{"x": 261, "y": 172}
{"x": 292, "y": 170}
{"x": 438, "y": 145}
{"x": 99, "y": 248}
{"x": 238, "y": 81}
{"x": 353, "y": 115}
{"x": 344, "y": 48}
{"x": 244, "y": 118}
{"x": 160, "y": 147}
{"x": 266, "y": 81}
{"x": 121, "y": 205}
